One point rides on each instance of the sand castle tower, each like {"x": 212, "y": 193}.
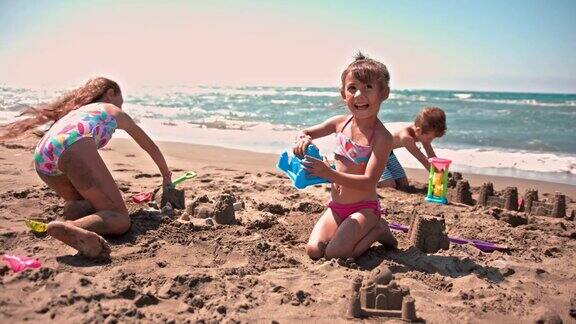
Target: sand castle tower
{"x": 559, "y": 205}
{"x": 428, "y": 233}
{"x": 463, "y": 193}
{"x": 530, "y": 196}
{"x": 486, "y": 191}
{"x": 511, "y": 198}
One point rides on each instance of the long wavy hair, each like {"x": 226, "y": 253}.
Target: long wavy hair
{"x": 91, "y": 92}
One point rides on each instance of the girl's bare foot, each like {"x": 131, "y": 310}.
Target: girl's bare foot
{"x": 87, "y": 243}
{"x": 386, "y": 237}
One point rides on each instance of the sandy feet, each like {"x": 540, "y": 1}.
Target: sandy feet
{"x": 386, "y": 237}
{"x": 87, "y": 243}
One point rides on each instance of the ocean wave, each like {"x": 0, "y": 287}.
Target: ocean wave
{"x": 463, "y": 95}
{"x": 282, "y": 101}
{"x": 468, "y": 97}
{"x": 312, "y": 93}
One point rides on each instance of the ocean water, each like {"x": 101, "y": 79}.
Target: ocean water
{"x": 527, "y": 135}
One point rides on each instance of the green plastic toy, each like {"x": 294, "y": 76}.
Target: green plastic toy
{"x": 186, "y": 176}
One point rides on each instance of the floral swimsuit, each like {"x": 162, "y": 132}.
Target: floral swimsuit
{"x": 87, "y": 121}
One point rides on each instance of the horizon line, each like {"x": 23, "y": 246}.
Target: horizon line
{"x": 138, "y": 85}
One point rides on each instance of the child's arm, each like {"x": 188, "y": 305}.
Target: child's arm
{"x": 306, "y": 136}
{"x": 410, "y": 145}
{"x": 381, "y": 148}
{"x": 429, "y": 150}
{"x": 126, "y": 123}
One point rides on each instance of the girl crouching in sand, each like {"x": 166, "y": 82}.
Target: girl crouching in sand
{"x": 352, "y": 221}
{"x": 67, "y": 160}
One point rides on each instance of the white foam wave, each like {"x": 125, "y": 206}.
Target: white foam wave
{"x": 467, "y": 97}
{"x": 312, "y": 93}
{"x": 463, "y": 95}
{"x": 281, "y": 102}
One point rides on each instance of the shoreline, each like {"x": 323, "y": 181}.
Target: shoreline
{"x": 269, "y": 138}
{"x": 267, "y": 162}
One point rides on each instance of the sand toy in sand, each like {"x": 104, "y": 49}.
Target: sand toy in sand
{"x": 292, "y": 167}
{"x": 19, "y": 263}
{"x": 438, "y": 180}
{"x": 36, "y": 226}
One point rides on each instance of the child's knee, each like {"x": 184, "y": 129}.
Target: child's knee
{"x": 314, "y": 251}
{"x": 76, "y": 209}
{"x": 121, "y": 224}
{"x": 336, "y": 251}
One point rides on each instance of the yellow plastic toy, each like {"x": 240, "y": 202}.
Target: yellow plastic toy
{"x": 36, "y": 226}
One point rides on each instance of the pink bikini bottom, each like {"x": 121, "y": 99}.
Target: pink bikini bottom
{"x": 345, "y": 210}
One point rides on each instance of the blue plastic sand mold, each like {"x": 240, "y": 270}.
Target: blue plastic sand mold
{"x": 292, "y": 166}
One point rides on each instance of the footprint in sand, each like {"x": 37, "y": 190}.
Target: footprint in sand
{"x": 87, "y": 243}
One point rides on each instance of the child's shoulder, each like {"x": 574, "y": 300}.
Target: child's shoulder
{"x": 338, "y": 121}
{"x": 382, "y": 132}
{"x": 406, "y": 132}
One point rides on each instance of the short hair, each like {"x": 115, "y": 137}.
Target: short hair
{"x": 431, "y": 119}
{"x": 367, "y": 70}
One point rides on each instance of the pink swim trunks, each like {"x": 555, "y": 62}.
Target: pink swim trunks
{"x": 345, "y": 210}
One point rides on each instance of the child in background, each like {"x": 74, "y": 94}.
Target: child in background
{"x": 67, "y": 160}
{"x": 430, "y": 124}
{"x": 352, "y": 222}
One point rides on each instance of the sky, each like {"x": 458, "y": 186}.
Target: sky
{"x": 522, "y": 46}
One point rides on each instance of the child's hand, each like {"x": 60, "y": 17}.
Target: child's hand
{"x": 302, "y": 143}
{"x": 317, "y": 167}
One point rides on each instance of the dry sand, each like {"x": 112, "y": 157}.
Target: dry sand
{"x": 164, "y": 270}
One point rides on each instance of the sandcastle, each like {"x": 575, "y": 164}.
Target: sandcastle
{"x": 459, "y": 190}
{"x": 174, "y": 196}
{"x": 381, "y": 296}
{"x": 428, "y": 234}
{"x": 508, "y": 199}
{"x": 557, "y": 208}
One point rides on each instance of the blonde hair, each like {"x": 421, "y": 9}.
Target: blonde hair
{"x": 91, "y": 92}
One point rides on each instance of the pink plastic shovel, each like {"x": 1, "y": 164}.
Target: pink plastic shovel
{"x": 19, "y": 263}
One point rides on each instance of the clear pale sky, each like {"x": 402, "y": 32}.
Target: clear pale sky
{"x": 461, "y": 45}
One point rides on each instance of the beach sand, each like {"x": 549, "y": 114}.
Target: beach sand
{"x": 165, "y": 270}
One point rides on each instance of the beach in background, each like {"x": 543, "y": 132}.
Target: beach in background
{"x": 521, "y": 135}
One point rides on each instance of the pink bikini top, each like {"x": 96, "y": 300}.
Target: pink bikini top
{"x": 346, "y": 147}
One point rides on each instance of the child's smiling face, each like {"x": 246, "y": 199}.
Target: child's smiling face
{"x": 363, "y": 99}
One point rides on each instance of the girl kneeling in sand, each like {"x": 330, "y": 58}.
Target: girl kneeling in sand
{"x": 67, "y": 160}
{"x": 352, "y": 221}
